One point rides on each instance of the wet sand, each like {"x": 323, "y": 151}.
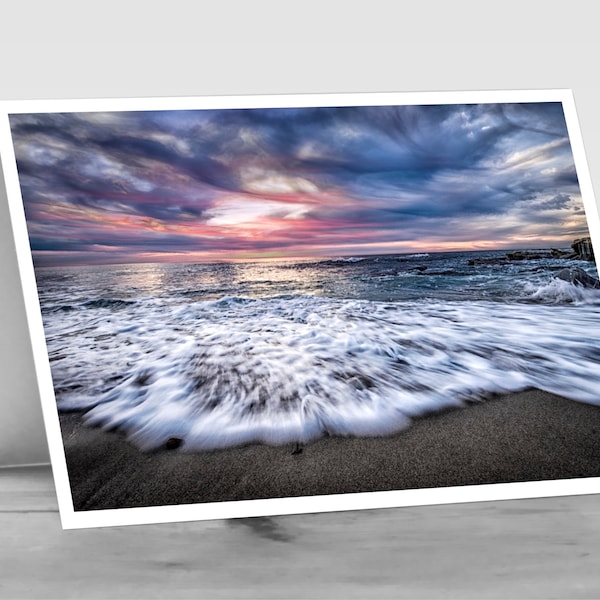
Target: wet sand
{"x": 525, "y": 436}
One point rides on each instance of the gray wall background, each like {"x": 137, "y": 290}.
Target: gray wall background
{"x": 118, "y": 49}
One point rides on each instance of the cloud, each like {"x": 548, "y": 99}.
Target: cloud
{"x": 292, "y": 179}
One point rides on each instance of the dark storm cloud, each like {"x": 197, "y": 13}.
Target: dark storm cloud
{"x": 195, "y": 179}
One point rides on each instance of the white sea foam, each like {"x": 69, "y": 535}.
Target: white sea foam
{"x": 348, "y": 259}
{"x": 233, "y": 371}
{"x": 559, "y": 291}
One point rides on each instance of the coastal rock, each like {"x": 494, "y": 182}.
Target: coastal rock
{"x": 488, "y": 261}
{"x": 578, "y": 276}
{"x": 510, "y": 258}
{"x": 583, "y": 248}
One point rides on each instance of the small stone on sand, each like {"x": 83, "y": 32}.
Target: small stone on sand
{"x": 173, "y": 443}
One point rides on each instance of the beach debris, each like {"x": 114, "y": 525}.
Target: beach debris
{"x": 173, "y": 443}
{"x": 297, "y": 449}
{"x": 578, "y": 276}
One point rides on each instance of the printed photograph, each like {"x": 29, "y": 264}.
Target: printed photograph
{"x": 253, "y": 303}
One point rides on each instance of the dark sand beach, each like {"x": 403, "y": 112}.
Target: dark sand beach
{"x": 525, "y": 436}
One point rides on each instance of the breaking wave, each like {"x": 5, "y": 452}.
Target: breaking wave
{"x": 558, "y": 291}
{"x": 238, "y": 370}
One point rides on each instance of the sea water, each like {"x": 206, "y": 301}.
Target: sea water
{"x": 288, "y": 351}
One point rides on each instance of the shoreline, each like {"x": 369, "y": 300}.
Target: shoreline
{"x": 523, "y": 436}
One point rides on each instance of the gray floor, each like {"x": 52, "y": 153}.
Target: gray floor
{"x": 543, "y": 548}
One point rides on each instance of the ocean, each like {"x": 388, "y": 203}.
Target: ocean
{"x": 286, "y": 351}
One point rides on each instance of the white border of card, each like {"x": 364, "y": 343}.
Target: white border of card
{"x": 276, "y": 506}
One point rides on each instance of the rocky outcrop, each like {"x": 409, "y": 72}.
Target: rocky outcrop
{"x": 578, "y": 277}
{"x": 556, "y": 253}
{"x": 511, "y": 257}
{"x": 583, "y": 248}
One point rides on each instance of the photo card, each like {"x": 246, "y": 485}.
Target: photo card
{"x": 264, "y": 305}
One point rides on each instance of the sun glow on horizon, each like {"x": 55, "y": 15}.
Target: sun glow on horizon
{"x": 269, "y": 184}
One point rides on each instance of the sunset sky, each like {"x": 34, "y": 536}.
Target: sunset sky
{"x": 122, "y": 187}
